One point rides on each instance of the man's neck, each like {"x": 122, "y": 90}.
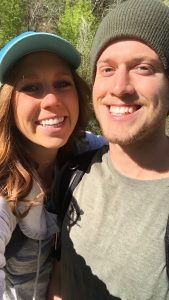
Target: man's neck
{"x": 146, "y": 160}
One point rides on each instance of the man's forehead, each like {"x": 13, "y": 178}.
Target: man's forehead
{"x": 131, "y": 48}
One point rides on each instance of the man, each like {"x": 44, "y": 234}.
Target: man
{"x": 116, "y": 248}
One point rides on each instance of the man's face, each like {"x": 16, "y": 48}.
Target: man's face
{"x": 130, "y": 92}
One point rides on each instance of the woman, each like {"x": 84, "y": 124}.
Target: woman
{"x": 43, "y": 108}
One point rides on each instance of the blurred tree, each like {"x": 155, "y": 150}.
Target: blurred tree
{"x": 77, "y": 24}
{"x": 100, "y": 7}
{"x": 43, "y": 15}
{"x": 166, "y": 2}
{"x": 12, "y": 16}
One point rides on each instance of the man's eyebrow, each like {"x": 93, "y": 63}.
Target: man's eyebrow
{"x": 107, "y": 60}
{"x": 147, "y": 59}
{"x": 137, "y": 59}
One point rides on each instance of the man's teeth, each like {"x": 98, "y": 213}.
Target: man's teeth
{"x": 122, "y": 109}
{"x": 50, "y": 122}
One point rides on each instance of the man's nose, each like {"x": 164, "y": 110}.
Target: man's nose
{"x": 122, "y": 83}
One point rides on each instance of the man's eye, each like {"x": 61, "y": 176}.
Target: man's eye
{"x": 144, "y": 69}
{"x": 107, "y": 71}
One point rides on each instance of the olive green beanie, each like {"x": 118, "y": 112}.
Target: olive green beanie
{"x": 144, "y": 20}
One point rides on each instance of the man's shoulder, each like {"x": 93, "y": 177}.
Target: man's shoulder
{"x": 91, "y": 163}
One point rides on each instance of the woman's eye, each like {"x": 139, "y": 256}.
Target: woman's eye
{"x": 62, "y": 84}
{"x": 31, "y": 88}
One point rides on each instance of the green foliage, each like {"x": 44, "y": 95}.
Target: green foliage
{"x": 93, "y": 126}
{"x": 43, "y": 15}
{"x": 101, "y": 7}
{"x": 166, "y": 2}
{"x": 72, "y": 18}
{"x": 77, "y": 24}
{"x": 51, "y": 14}
{"x": 12, "y": 15}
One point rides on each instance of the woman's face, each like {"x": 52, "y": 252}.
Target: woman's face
{"x": 45, "y": 102}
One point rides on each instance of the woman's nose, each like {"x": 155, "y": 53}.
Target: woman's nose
{"x": 50, "y": 98}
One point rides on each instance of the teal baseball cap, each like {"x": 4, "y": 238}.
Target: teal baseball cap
{"x": 31, "y": 41}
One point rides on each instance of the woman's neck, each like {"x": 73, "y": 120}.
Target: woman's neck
{"x": 45, "y": 161}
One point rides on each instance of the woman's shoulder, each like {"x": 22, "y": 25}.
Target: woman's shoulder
{"x": 90, "y": 141}
{"x": 6, "y": 213}
{"x": 7, "y": 221}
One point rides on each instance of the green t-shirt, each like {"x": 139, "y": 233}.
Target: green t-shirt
{"x": 116, "y": 248}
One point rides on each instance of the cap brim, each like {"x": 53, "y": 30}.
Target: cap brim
{"x": 29, "y": 42}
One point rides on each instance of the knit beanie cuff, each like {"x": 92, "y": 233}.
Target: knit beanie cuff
{"x": 144, "y": 20}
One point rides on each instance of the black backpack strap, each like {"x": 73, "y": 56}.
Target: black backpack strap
{"x": 71, "y": 176}
{"x": 16, "y": 242}
{"x": 167, "y": 247}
